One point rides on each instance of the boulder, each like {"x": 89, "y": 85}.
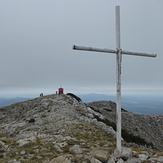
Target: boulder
{"x": 22, "y": 152}
{"x": 102, "y": 154}
{"x": 125, "y": 154}
{"x": 75, "y": 149}
{"x": 160, "y": 159}
{"x": 22, "y": 142}
{"x": 143, "y": 157}
{"x": 111, "y": 160}
{"x": 133, "y": 160}
{"x": 120, "y": 161}
{"x": 93, "y": 160}
{"x": 60, "y": 159}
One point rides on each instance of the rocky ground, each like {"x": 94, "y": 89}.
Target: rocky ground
{"x": 148, "y": 127}
{"x": 62, "y": 129}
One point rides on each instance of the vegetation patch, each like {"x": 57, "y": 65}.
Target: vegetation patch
{"x": 91, "y": 135}
{"x": 128, "y": 137}
{"x": 1, "y": 155}
{"x": 32, "y": 120}
{"x": 65, "y": 149}
{"x": 72, "y": 142}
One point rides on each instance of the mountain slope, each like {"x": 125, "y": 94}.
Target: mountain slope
{"x": 52, "y": 123}
{"x": 61, "y": 129}
{"x": 148, "y": 127}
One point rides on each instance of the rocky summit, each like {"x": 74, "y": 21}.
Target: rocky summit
{"x": 62, "y": 129}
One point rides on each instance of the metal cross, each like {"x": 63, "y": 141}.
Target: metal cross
{"x": 118, "y": 53}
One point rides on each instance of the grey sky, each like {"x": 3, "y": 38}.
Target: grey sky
{"x": 37, "y": 38}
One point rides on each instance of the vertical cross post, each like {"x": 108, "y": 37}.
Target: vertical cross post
{"x": 118, "y": 53}
{"x": 118, "y": 78}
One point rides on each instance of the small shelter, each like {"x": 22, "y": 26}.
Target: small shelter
{"x": 60, "y": 90}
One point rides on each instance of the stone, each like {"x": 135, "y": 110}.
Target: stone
{"x": 93, "y": 160}
{"x": 143, "y": 157}
{"x": 14, "y": 161}
{"x": 120, "y": 161}
{"x": 75, "y": 149}
{"x": 102, "y": 154}
{"x": 134, "y": 152}
{"x": 22, "y": 142}
{"x": 133, "y": 160}
{"x": 2, "y": 143}
{"x": 39, "y": 157}
{"x": 145, "y": 152}
{"x": 160, "y": 159}
{"x": 22, "y": 152}
{"x": 125, "y": 154}
{"x": 60, "y": 159}
{"x": 111, "y": 160}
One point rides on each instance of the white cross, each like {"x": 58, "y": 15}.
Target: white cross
{"x": 118, "y": 53}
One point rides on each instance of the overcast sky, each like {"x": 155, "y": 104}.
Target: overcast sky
{"x": 37, "y": 37}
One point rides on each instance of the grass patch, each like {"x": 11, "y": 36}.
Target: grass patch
{"x": 72, "y": 142}
{"x": 91, "y": 136}
{"x": 2, "y": 135}
{"x": 65, "y": 149}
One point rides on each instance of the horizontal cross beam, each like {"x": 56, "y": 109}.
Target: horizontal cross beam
{"x": 113, "y": 51}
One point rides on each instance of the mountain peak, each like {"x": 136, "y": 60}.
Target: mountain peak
{"x": 41, "y": 129}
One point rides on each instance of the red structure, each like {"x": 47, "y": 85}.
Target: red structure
{"x": 60, "y": 91}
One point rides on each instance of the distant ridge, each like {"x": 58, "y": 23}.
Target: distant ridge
{"x": 133, "y": 103}
{"x": 140, "y": 104}
{"x": 9, "y": 101}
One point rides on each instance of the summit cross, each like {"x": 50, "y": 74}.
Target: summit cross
{"x": 118, "y": 53}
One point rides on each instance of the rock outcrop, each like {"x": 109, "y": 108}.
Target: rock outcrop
{"x": 62, "y": 129}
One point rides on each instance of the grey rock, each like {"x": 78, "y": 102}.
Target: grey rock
{"x": 75, "y": 149}
{"x": 120, "y": 161}
{"x": 39, "y": 157}
{"x": 60, "y": 159}
{"x": 125, "y": 154}
{"x": 160, "y": 159}
{"x": 102, "y": 154}
{"x": 111, "y": 160}
{"x": 134, "y": 160}
{"x": 22, "y": 142}
{"x": 22, "y": 152}
{"x": 93, "y": 160}
{"x": 143, "y": 157}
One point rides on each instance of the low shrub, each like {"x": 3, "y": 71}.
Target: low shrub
{"x": 128, "y": 137}
{"x": 32, "y": 120}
